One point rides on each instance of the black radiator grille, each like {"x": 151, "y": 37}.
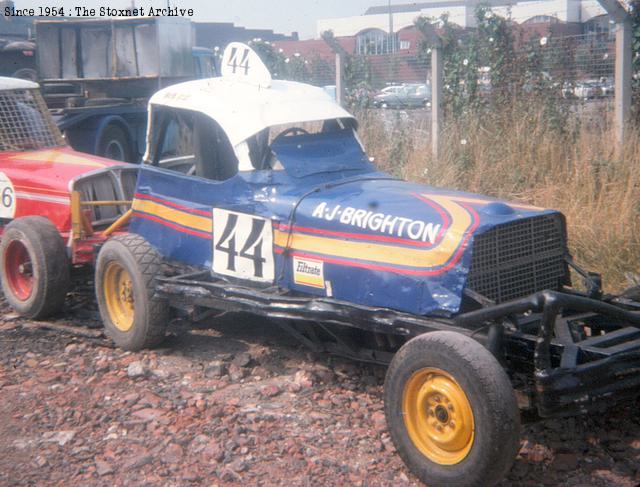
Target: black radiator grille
{"x": 519, "y": 258}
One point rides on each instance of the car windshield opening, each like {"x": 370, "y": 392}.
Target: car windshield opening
{"x": 332, "y": 149}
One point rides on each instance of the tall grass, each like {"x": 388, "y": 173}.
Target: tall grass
{"x": 521, "y": 153}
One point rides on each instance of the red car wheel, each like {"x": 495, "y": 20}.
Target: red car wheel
{"x": 19, "y": 270}
{"x": 34, "y": 270}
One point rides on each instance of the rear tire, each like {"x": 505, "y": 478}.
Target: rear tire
{"x": 114, "y": 144}
{"x": 35, "y": 267}
{"x": 125, "y": 287}
{"x": 451, "y": 411}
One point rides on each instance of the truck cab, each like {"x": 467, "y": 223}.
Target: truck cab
{"x": 98, "y": 74}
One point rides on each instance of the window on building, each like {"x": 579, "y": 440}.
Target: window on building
{"x": 376, "y": 41}
{"x": 600, "y": 26}
{"x": 405, "y": 45}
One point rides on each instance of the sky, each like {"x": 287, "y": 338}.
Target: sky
{"x": 283, "y": 16}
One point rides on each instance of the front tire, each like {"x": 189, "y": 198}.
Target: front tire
{"x": 451, "y": 411}
{"x": 125, "y": 286}
{"x": 35, "y": 267}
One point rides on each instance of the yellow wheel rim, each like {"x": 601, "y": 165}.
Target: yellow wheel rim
{"x": 118, "y": 294}
{"x": 438, "y": 416}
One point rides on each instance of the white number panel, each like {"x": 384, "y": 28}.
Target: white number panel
{"x": 238, "y": 61}
{"x": 7, "y": 197}
{"x": 241, "y": 62}
{"x": 242, "y": 246}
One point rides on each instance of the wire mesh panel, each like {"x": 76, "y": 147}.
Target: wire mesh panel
{"x": 25, "y": 123}
{"x": 395, "y": 80}
{"x": 394, "y": 69}
{"x": 575, "y": 68}
{"x": 580, "y": 67}
{"x": 312, "y": 69}
{"x": 519, "y": 258}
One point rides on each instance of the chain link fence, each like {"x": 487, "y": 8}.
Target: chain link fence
{"x": 573, "y": 69}
{"x": 575, "y": 72}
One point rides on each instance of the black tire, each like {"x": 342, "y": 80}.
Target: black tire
{"x": 26, "y": 73}
{"x": 46, "y": 267}
{"x": 114, "y": 144}
{"x": 149, "y": 316}
{"x": 489, "y": 451}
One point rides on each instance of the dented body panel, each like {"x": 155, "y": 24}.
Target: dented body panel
{"x": 39, "y": 173}
{"x": 43, "y": 180}
{"x": 340, "y": 231}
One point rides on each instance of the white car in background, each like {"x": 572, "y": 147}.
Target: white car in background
{"x": 587, "y": 90}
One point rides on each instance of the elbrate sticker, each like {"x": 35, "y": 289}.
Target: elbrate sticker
{"x": 7, "y": 197}
{"x": 308, "y": 272}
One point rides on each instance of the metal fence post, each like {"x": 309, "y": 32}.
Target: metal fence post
{"x": 436, "y": 100}
{"x": 622, "y": 81}
{"x": 621, "y": 17}
{"x": 339, "y": 79}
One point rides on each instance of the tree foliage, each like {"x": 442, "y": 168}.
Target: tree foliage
{"x": 307, "y": 69}
{"x": 492, "y": 66}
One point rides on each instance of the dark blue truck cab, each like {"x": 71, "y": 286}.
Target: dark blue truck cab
{"x": 98, "y": 74}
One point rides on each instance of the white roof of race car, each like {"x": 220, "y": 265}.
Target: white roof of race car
{"x": 16, "y": 84}
{"x": 244, "y": 102}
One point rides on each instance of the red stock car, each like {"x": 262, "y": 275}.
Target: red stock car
{"x": 56, "y": 205}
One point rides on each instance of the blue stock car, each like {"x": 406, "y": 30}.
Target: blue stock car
{"x": 258, "y": 196}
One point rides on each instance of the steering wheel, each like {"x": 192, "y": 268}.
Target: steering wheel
{"x": 291, "y": 131}
{"x": 269, "y": 155}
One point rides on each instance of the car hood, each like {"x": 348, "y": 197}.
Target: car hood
{"x": 52, "y": 168}
{"x": 395, "y": 211}
{"x": 393, "y": 227}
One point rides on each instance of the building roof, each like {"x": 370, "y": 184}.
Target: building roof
{"x": 211, "y": 34}
{"x": 412, "y": 7}
{"x": 418, "y": 6}
{"x": 16, "y": 84}
{"x": 315, "y": 47}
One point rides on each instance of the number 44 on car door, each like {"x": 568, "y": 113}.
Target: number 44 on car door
{"x": 242, "y": 246}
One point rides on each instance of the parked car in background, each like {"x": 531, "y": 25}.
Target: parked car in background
{"x": 607, "y": 87}
{"x": 414, "y": 95}
{"x": 587, "y": 90}
{"x": 567, "y": 90}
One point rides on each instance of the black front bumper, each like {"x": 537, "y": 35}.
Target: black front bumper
{"x": 566, "y": 373}
{"x": 573, "y": 374}
{"x": 588, "y": 387}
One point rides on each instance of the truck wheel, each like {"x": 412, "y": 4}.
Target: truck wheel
{"x": 451, "y": 411}
{"x": 114, "y": 144}
{"x": 35, "y": 268}
{"x": 125, "y": 286}
{"x": 26, "y": 73}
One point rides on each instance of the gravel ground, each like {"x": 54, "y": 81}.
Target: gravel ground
{"x": 236, "y": 403}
